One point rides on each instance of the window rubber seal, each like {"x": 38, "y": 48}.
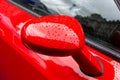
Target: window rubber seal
{"x": 104, "y": 49}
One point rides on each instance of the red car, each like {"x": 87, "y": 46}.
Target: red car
{"x": 63, "y": 40}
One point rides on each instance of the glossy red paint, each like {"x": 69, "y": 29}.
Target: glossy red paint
{"x": 60, "y": 36}
{"x": 53, "y": 31}
{"x": 19, "y": 63}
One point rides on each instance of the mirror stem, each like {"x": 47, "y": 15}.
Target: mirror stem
{"x": 88, "y": 63}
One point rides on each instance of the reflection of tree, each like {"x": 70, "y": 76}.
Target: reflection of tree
{"x": 98, "y": 26}
{"x": 35, "y": 7}
{"x": 115, "y": 39}
{"x": 36, "y": 4}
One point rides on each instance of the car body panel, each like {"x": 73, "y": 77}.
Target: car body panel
{"x": 19, "y": 63}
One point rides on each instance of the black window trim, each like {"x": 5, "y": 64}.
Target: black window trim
{"x": 26, "y": 9}
{"x": 104, "y": 49}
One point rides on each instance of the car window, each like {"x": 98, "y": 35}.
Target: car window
{"x": 34, "y": 7}
{"x": 100, "y": 19}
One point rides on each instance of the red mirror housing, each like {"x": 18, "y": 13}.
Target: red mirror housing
{"x": 59, "y": 35}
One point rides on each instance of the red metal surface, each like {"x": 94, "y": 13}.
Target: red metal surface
{"x": 19, "y": 63}
{"x": 60, "y": 35}
{"x": 54, "y": 34}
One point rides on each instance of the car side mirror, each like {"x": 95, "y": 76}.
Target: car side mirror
{"x": 59, "y": 35}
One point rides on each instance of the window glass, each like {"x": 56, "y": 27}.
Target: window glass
{"x": 34, "y": 7}
{"x": 100, "y": 18}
